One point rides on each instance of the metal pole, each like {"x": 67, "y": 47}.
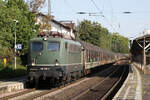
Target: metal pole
{"x": 130, "y": 55}
{"x": 78, "y": 33}
{"x": 49, "y": 8}
{"x": 144, "y": 55}
{"x": 15, "y": 41}
{"x": 49, "y": 14}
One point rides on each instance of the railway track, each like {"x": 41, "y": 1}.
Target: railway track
{"x": 30, "y": 94}
{"x": 81, "y": 89}
{"x": 106, "y": 88}
{"x": 25, "y": 91}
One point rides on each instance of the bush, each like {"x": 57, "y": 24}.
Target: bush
{"x": 1, "y": 64}
{"x": 10, "y": 72}
{"x": 7, "y": 53}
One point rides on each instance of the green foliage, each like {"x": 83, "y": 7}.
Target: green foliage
{"x": 7, "y": 53}
{"x": 9, "y": 71}
{"x": 94, "y": 33}
{"x": 119, "y": 43}
{"x": 16, "y": 10}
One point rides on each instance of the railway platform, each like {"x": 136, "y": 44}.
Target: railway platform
{"x": 135, "y": 87}
{"x": 11, "y": 85}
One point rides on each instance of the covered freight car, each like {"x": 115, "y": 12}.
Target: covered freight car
{"x": 94, "y": 56}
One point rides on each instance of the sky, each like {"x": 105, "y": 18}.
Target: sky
{"x": 129, "y": 25}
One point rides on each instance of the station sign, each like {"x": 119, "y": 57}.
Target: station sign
{"x": 19, "y": 46}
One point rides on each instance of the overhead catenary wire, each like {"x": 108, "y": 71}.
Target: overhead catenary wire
{"x": 103, "y": 6}
{"x": 112, "y": 15}
{"x": 93, "y": 2}
{"x": 95, "y": 5}
{"x": 111, "y": 7}
{"x": 68, "y": 4}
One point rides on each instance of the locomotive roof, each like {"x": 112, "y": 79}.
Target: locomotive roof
{"x": 87, "y": 46}
{"x": 57, "y": 39}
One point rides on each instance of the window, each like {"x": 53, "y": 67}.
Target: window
{"x": 37, "y": 46}
{"x": 53, "y": 46}
{"x": 74, "y": 48}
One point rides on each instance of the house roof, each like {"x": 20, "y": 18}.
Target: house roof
{"x": 57, "y": 22}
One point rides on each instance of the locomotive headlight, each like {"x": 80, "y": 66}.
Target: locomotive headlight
{"x": 56, "y": 62}
{"x": 44, "y": 38}
{"x": 33, "y": 62}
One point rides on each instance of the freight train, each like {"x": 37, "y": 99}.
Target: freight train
{"x": 60, "y": 60}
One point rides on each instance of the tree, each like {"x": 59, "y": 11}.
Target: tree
{"x": 25, "y": 29}
{"x": 94, "y": 33}
{"x": 119, "y": 43}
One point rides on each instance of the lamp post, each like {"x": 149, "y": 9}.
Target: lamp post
{"x": 15, "y": 41}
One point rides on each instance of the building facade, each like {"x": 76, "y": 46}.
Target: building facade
{"x": 54, "y": 28}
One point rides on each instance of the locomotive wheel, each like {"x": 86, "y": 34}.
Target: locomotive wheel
{"x": 80, "y": 74}
{"x": 77, "y": 75}
{"x": 73, "y": 76}
{"x": 52, "y": 82}
{"x": 31, "y": 84}
{"x": 59, "y": 82}
{"x": 37, "y": 83}
{"x": 68, "y": 80}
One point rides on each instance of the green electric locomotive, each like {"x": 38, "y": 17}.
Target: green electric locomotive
{"x": 55, "y": 59}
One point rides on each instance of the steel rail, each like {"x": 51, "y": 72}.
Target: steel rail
{"x": 18, "y": 94}
{"x": 102, "y": 91}
{"x": 114, "y": 86}
{"x": 52, "y": 90}
{"x": 89, "y": 89}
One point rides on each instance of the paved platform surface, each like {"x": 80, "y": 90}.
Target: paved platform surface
{"x": 12, "y": 85}
{"x": 145, "y": 81}
{"x": 146, "y": 86}
{"x": 136, "y": 86}
{"x": 132, "y": 87}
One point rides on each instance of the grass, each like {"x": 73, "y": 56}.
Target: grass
{"x": 9, "y": 71}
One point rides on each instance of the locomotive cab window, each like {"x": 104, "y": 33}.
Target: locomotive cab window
{"x": 37, "y": 46}
{"x": 53, "y": 46}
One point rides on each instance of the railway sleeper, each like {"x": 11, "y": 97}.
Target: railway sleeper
{"x": 68, "y": 78}
{"x": 75, "y": 75}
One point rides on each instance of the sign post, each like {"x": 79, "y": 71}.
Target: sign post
{"x": 15, "y": 41}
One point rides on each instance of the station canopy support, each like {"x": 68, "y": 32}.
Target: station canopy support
{"x": 140, "y": 50}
